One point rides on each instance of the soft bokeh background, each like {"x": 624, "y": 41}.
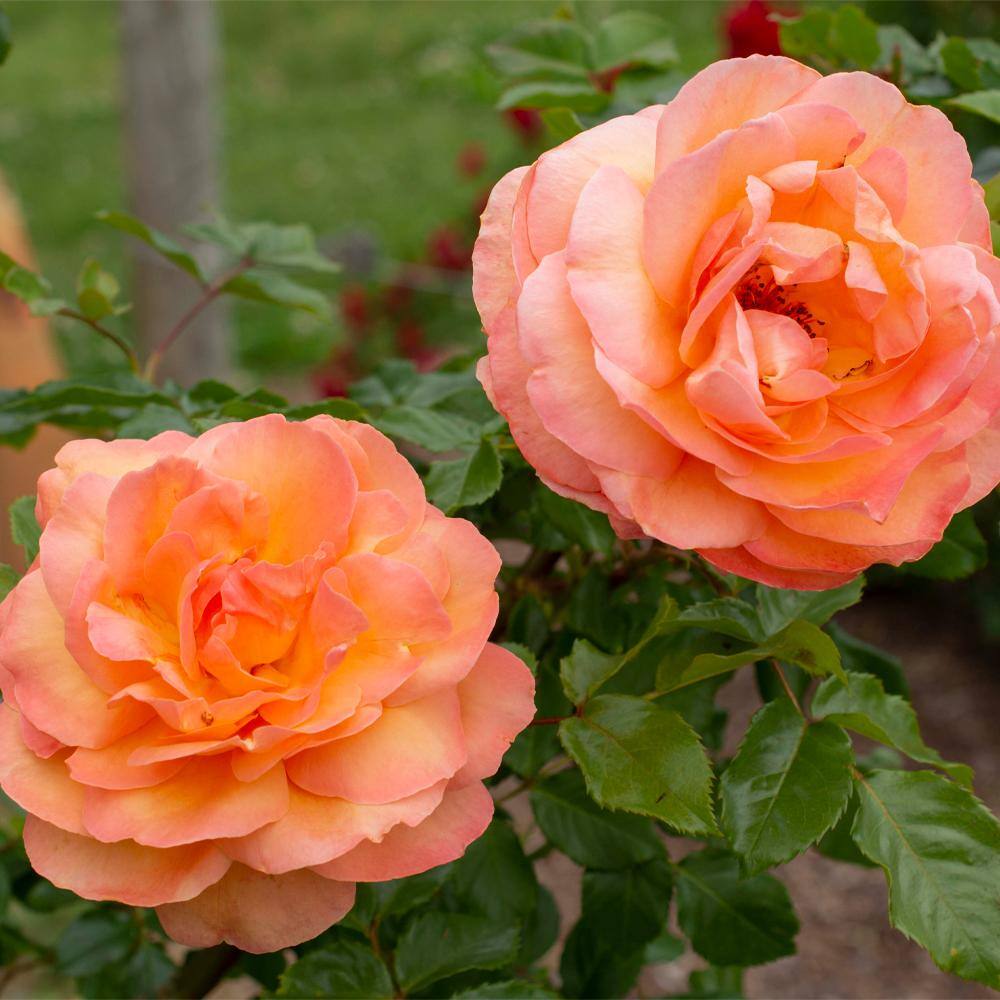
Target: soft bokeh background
{"x": 349, "y": 116}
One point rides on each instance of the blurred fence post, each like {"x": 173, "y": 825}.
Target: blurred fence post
{"x": 170, "y": 61}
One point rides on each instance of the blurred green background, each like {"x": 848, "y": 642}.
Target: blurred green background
{"x": 349, "y": 116}
{"x": 346, "y": 115}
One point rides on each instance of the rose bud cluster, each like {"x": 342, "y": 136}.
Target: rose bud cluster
{"x": 759, "y": 322}
{"x": 248, "y": 670}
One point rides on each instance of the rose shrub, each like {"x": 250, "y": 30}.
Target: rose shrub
{"x": 248, "y": 670}
{"x": 759, "y": 322}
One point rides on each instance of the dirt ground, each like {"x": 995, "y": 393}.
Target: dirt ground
{"x": 846, "y": 947}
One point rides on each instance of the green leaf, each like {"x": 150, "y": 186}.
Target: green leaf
{"x": 575, "y": 95}
{"x": 863, "y": 658}
{"x": 94, "y": 940}
{"x": 152, "y": 420}
{"x": 401, "y": 895}
{"x": 591, "y": 836}
{"x": 899, "y": 47}
{"x": 75, "y": 403}
{"x": 508, "y": 989}
{"x": 807, "y": 36}
{"x": 430, "y": 429}
{"x": 591, "y": 614}
{"x": 641, "y": 758}
{"x": 786, "y": 786}
{"x": 160, "y": 242}
{"x": 562, "y": 123}
{"x": 540, "y": 929}
{"x": 24, "y": 527}
{"x": 269, "y": 286}
{"x": 808, "y": 647}
{"x": 716, "y": 983}
{"x": 221, "y": 233}
{"x": 528, "y": 625}
{"x": 348, "y": 969}
{"x": 838, "y": 843}
{"x": 855, "y": 36}
{"x": 801, "y": 643}
{"x": 985, "y": 103}
{"x": 437, "y": 945}
{"x": 589, "y": 971}
{"x": 662, "y": 949}
{"x": 285, "y": 246}
{"x": 960, "y": 65}
{"x": 585, "y": 670}
{"x": 587, "y": 528}
{"x": 778, "y": 608}
{"x": 8, "y": 579}
{"x": 552, "y": 47}
{"x": 991, "y": 194}
{"x": 727, "y": 616}
{"x": 960, "y": 553}
{"x": 333, "y": 406}
{"x": 465, "y": 481}
{"x": 634, "y": 39}
{"x": 863, "y": 706}
{"x": 494, "y": 878}
{"x": 730, "y": 920}
{"x": 938, "y": 846}
{"x": 96, "y": 291}
{"x": 628, "y": 908}
{"x": 32, "y": 289}
{"x": 148, "y": 970}
{"x": 622, "y": 912}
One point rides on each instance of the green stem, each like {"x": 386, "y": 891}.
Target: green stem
{"x": 117, "y": 339}
{"x": 209, "y": 294}
{"x": 788, "y": 688}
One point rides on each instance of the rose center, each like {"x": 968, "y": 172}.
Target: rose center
{"x": 759, "y": 290}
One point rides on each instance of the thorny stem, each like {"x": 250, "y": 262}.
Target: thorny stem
{"x": 119, "y": 341}
{"x": 788, "y": 689}
{"x": 209, "y": 294}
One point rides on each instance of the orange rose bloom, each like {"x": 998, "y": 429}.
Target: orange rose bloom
{"x": 248, "y": 670}
{"x": 759, "y": 322}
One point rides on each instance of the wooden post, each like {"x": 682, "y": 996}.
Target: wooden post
{"x": 170, "y": 62}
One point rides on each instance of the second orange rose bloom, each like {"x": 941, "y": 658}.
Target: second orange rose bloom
{"x": 759, "y": 322}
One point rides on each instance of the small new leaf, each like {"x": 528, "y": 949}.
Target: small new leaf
{"x": 160, "y": 242}
{"x": 585, "y": 670}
